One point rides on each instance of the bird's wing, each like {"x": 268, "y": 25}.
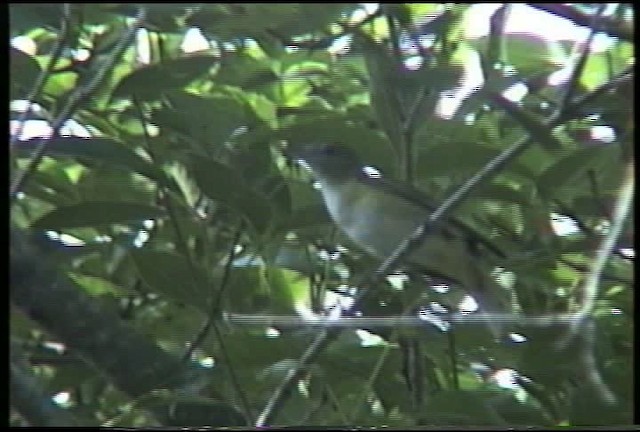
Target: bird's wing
{"x": 418, "y": 198}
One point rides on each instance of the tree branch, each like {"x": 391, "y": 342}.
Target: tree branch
{"x": 607, "y": 25}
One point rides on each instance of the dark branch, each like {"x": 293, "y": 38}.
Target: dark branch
{"x": 605, "y": 24}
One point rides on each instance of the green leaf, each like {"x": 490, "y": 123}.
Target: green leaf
{"x": 150, "y": 82}
{"x": 569, "y": 172}
{"x": 288, "y": 290}
{"x": 588, "y": 408}
{"x": 247, "y": 290}
{"x": 59, "y": 86}
{"x": 96, "y": 213}
{"x": 259, "y": 288}
{"x": 597, "y": 70}
{"x": 243, "y": 70}
{"x": 308, "y": 216}
{"x": 527, "y": 52}
{"x": 503, "y": 193}
{"x": 53, "y": 184}
{"x": 210, "y": 121}
{"x": 220, "y": 183}
{"x": 171, "y": 275}
{"x": 461, "y": 407}
{"x": 385, "y": 99}
{"x": 96, "y": 285}
{"x": 241, "y": 20}
{"x": 446, "y": 158}
{"x": 24, "y": 71}
{"x": 28, "y": 16}
{"x": 104, "y": 150}
{"x": 518, "y": 413}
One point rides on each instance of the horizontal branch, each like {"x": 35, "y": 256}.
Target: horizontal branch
{"x": 419, "y": 320}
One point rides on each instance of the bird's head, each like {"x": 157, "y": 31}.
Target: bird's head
{"x": 329, "y": 162}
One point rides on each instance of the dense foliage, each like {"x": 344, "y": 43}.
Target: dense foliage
{"x": 160, "y": 233}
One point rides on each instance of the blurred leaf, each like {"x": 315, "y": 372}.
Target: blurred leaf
{"x": 589, "y": 409}
{"x": 248, "y": 290}
{"x": 228, "y": 21}
{"x": 52, "y": 184}
{"x": 24, "y": 72}
{"x": 28, "y": 16}
{"x": 600, "y": 65}
{"x": 150, "y": 82}
{"x": 59, "y": 86}
{"x": 96, "y": 285}
{"x": 445, "y": 159}
{"x": 569, "y": 172}
{"x": 461, "y": 407}
{"x": 103, "y": 150}
{"x": 172, "y": 275}
{"x": 504, "y": 193}
{"x": 289, "y": 289}
{"x": 220, "y": 183}
{"x": 161, "y": 17}
{"x": 383, "y": 71}
{"x": 308, "y": 216}
{"x": 528, "y": 53}
{"x": 209, "y": 121}
{"x": 96, "y": 213}
{"x": 243, "y": 70}
{"x": 519, "y": 413}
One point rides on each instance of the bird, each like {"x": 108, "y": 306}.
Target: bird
{"x": 378, "y": 214}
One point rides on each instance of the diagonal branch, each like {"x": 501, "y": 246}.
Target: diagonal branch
{"x": 607, "y": 25}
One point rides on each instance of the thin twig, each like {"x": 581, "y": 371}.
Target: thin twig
{"x": 282, "y": 391}
{"x": 210, "y": 323}
{"x": 368, "y": 385}
{"x": 246, "y": 407}
{"x": 216, "y": 297}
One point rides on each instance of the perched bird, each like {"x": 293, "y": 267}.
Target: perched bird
{"x": 378, "y": 214}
